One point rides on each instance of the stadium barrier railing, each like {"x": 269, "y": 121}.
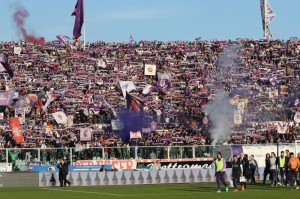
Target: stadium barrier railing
{"x": 20, "y": 157}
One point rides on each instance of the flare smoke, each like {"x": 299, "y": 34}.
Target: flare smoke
{"x": 19, "y": 17}
{"x": 220, "y": 111}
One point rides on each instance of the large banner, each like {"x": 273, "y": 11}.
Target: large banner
{"x": 166, "y": 163}
{"x": 16, "y": 130}
{"x": 179, "y": 165}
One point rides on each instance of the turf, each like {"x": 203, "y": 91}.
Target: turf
{"x": 164, "y": 191}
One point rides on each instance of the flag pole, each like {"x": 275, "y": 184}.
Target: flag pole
{"x": 83, "y": 25}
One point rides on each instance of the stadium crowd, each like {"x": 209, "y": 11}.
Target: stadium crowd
{"x": 261, "y": 79}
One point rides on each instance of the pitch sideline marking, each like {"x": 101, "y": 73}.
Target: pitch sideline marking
{"x": 119, "y": 195}
{"x": 89, "y": 192}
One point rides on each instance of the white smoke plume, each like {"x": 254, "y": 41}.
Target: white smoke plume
{"x": 221, "y": 115}
{"x": 220, "y": 111}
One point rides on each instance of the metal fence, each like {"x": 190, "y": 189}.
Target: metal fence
{"x": 50, "y": 156}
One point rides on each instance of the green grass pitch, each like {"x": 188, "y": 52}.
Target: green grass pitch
{"x": 163, "y": 191}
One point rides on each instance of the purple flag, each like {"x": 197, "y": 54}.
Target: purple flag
{"x": 78, "y": 13}
{"x": 63, "y": 39}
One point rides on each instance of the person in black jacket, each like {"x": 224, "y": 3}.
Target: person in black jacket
{"x": 63, "y": 172}
{"x": 237, "y": 172}
{"x": 253, "y": 166}
{"x": 287, "y": 172}
{"x": 267, "y": 170}
{"x": 245, "y": 162}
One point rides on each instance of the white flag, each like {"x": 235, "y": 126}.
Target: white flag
{"x": 148, "y": 89}
{"x": 127, "y": 86}
{"x": 297, "y": 117}
{"x": 282, "y": 129}
{"x": 237, "y": 117}
{"x": 85, "y": 134}
{"x": 60, "y": 117}
{"x": 17, "y": 50}
{"x": 150, "y": 69}
{"x": 50, "y": 99}
{"x": 101, "y": 63}
{"x": 135, "y": 135}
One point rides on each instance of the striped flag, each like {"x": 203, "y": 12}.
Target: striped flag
{"x": 63, "y": 39}
{"x": 133, "y": 103}
{"x": 5, "y": 67}
{"x": 79, "y": 19}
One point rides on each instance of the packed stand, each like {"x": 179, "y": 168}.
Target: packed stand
{"x": 262, "y": 84}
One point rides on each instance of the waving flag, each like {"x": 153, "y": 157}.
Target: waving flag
{"x": 127, "y": 86}
{"x": 5, "y": 67}
{"x": 267, "y": 16}
{"x": 16, "y": 130}
{"x": 63, "y": 39}
{"x": 6, "y": 97}
{"x": 51, "y": 97}
{"x": 79, "y": 19}
{"x": 133, "y": 103}
{"x": 270, "y": 14}
{"x": 148, "y": 89}
{"x": 60, "y": 117}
